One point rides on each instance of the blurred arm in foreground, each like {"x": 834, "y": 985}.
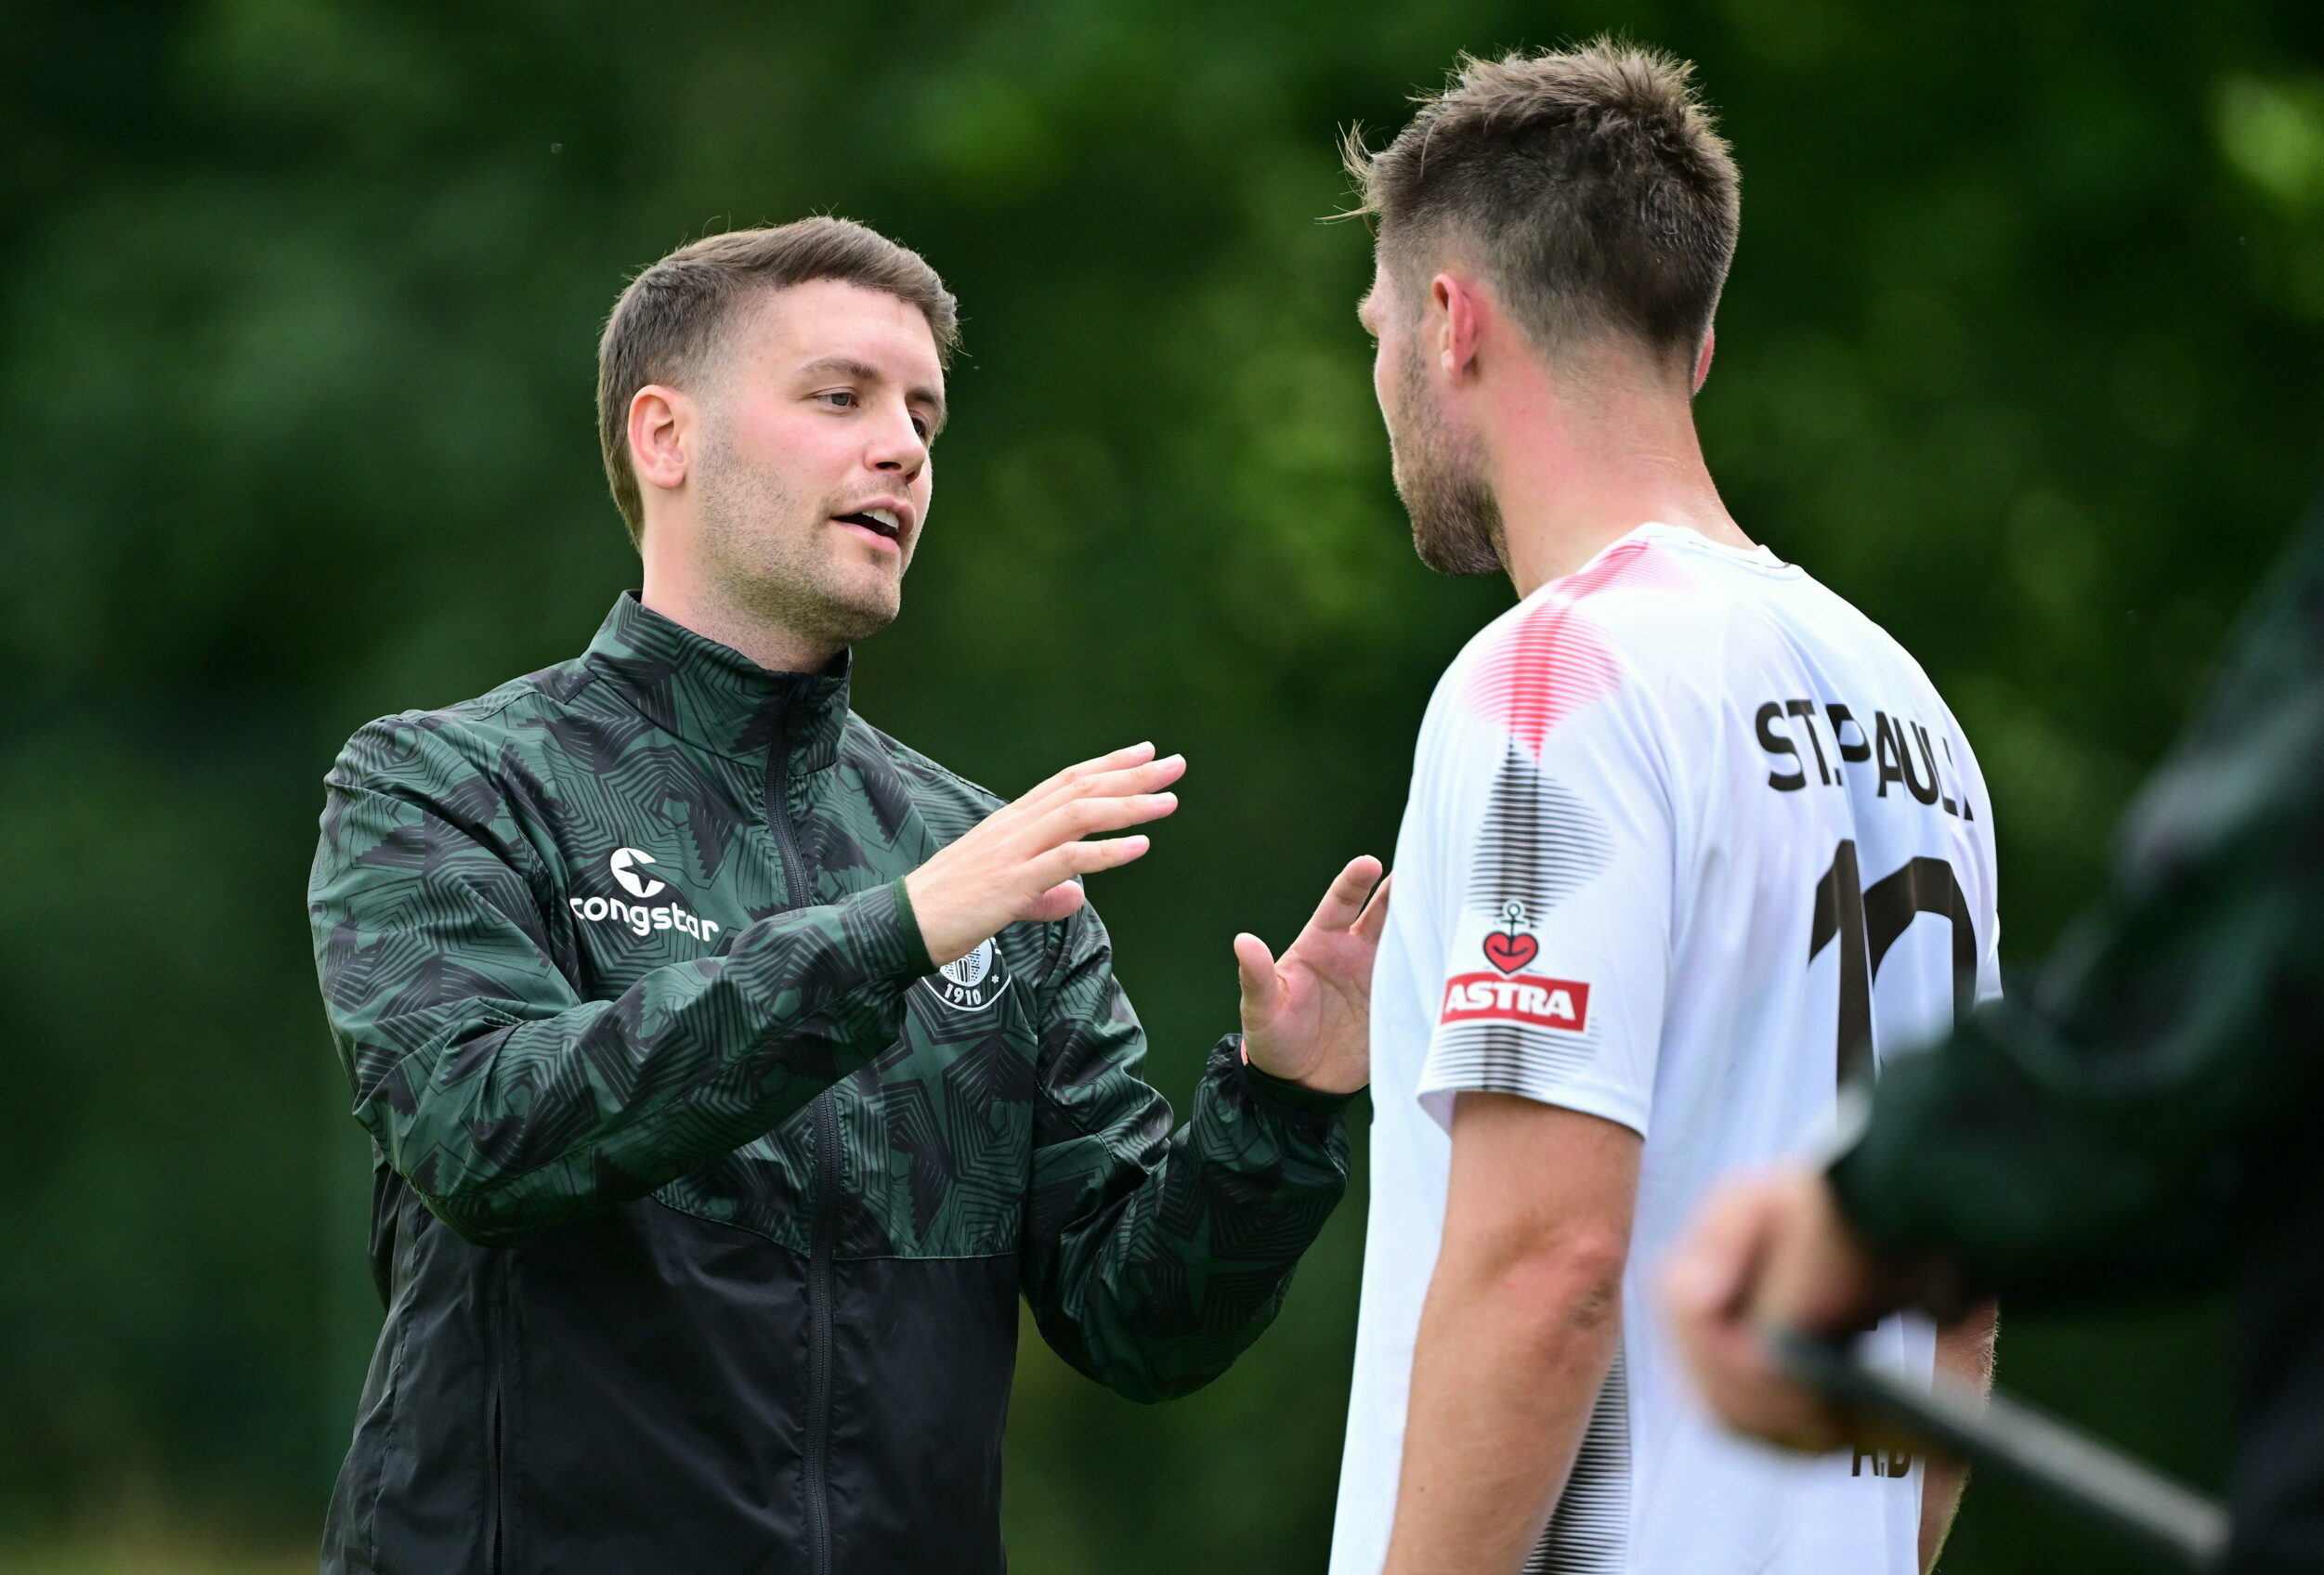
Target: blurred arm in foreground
{"x": 2139, "y": 1127}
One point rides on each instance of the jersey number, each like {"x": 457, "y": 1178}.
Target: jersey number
{"x": 1866, "y": 923}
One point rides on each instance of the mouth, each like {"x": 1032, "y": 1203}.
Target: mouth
{"x": 884, "y": 521}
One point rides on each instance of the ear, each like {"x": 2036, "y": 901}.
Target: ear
{"x": 661, "y": 433}
{"x": 1456, "y": 314}
{"x": 1702, "y": 360}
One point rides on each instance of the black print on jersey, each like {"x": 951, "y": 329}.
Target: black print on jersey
{"x": 1867, "y": 922}
{"x": 1591, "y": 1531}
{"x": 1539, "y": 842}
{"x": 1900, "y": 750}
{"x": 1885, "y": 1463}
{"x": 1775, "y": 743}
{"x": 1805, "y": 712}
{"x": 1889, "y": 752}
{"x": 1842, "y": 720}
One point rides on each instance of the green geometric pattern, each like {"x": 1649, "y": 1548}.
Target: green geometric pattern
{"x": 607, "y": 931}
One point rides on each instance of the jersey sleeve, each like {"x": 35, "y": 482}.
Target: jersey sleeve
{"x": 1557, "y": 960}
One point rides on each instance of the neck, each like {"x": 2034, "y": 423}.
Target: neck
{"x": 1576, "y": 464}
{"x": 677, "y": 586}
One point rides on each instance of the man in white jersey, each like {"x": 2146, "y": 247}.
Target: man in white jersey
{"x": 1690, "y": 841}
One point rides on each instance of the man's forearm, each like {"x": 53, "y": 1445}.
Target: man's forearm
{"x": 525, "y": 1107}
{"x": 1508, "y": 1366}
{"x": 1235, "y": 1195}
{"x": 1964, "y": 1354}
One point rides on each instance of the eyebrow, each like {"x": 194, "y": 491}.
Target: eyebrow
{"x": 861, "y": 371}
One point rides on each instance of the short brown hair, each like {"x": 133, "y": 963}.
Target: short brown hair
{"x": 666, "y": 323}
{"x": 1591, "y": 183}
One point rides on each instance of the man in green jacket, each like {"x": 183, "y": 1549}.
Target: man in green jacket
{"x": 732, "y": 1069}
{"x": 2143, "y": 1122}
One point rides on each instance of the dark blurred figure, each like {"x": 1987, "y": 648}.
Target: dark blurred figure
{"x": 2141, "y": 1123}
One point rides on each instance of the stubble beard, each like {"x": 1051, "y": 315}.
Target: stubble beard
{"x": 1456, "y": 524}
{"x": 773, "y": 562}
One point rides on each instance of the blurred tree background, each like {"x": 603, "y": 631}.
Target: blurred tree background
{"x": 298, "y": 301}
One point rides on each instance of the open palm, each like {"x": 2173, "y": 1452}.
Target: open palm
{"x": 1307, "y": 1016}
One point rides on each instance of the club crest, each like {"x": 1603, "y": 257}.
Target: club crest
{"x": 970, "y": 982}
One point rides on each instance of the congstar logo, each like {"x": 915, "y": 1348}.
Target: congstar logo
{"x": 624, "y": 864}
{"x": 636, "y": 918}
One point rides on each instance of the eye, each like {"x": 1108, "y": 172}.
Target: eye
{"x": 841, "y": 399}
{"x": 920, "y": 424}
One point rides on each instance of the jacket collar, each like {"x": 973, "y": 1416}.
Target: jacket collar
{"x": 713, "y": 696}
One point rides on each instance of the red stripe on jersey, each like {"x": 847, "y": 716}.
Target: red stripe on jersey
{"x": 1555, "y": 661}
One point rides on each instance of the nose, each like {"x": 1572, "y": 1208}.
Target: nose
{"x": 898, "y": 449}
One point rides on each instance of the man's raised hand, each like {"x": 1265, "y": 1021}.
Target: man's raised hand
{"x": 1771, "y": 1252}
{"x": 1307, "y": 1018}
{"x": 1020, "y": 862}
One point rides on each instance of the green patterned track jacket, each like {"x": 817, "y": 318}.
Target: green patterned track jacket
{"x": 702, "y": 1201}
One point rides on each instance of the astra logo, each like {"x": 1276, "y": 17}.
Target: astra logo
{"x": 636, "y": 918}
{"x": 1527, "y": 998}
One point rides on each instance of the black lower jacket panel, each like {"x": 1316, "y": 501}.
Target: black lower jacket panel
{"x": 629, "y": 1394}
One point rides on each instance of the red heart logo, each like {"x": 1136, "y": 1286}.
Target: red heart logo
{"x": 1509, "y": 952}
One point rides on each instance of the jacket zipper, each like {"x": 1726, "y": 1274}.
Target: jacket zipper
{"x": 779, "y": 822}
{"x": 496, "y": 1425}
{"x": 817, "y": 1463}
{"x": 495, "y": 1493}
{"x": 818, "y": 1466}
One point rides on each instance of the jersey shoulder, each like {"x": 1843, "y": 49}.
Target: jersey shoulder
{"x": 1653, "y": 618}
{"x": 1704, "y": 617}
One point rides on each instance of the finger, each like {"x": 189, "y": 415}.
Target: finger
{"x": 1131, "y": 755}
{"x": 1710, "y": 1286}
{"x": 1343, "y": 899}
{"x": 1087, "y": 858}
{"x": 1150, "y": 777}
{"x": 1374, "y": 920}
{"x": 1063, "y": 792}
{"x": 1742, "y": 1384}
{"x": 1726, "y": 1354}
{"x": 1086, "y": 818}
{"x": 1262, "y": 987}
{"x": 1714, "y": 1275}
{"x": 1057, "y": 902}
{"x": 1819, "y": 1276}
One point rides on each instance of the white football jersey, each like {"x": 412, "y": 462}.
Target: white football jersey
{"x": 1690, "y": 843}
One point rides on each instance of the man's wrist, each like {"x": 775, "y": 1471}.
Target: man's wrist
{"x": 1932, "y": 1281}
{"x": 917, "y": 961}
{"x": 1295, "y": 1098}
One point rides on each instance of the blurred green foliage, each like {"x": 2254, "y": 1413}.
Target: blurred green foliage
{"x": 297, "y": 312}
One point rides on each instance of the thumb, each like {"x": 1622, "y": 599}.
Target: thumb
{"x": 1256, "y": 965}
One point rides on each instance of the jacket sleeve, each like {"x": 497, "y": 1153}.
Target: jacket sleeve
{"x": 1152, "y": 1259}
{"x": 508, "y": 1101}
{"x": 2108, "y": 1137}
